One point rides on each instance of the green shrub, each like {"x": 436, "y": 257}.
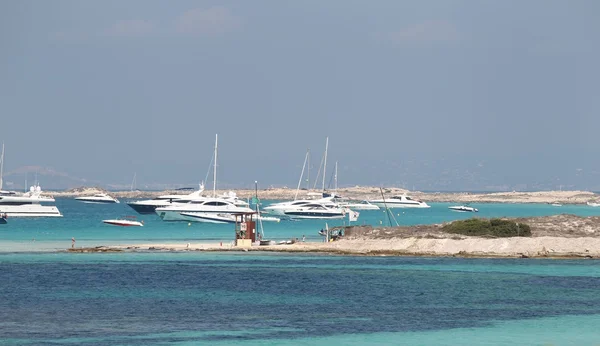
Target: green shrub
{"x": 484, "y": 227}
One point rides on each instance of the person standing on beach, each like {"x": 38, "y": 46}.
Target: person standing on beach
{"x": 72, "y": 242}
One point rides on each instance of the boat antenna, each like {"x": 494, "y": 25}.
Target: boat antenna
{"x": 215, "y": 167}
{"x": 387, "y": 210}
{"x": 301, "y": 175}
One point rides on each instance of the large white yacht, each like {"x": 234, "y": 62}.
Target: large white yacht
{"x": 316, "y": 211}
{"x": 217, "y": 207}
{"x": 280, "y": 207}
{"x": 28, "y": 205}
{"x": 362, "y": 205}
{"x": 99, "y": 198}
{"x": 402, "y": 201}
{"x": 148, "y": 206}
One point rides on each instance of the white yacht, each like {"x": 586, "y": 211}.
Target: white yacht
{"x": 148, "y": 206}
{"x": 316, "y": 211}
{"x": 593, "y": 204}
{"x": 28, "y": 205}
{"x": 362, "y": 205}
{"x": 402, "y": 201}
{"x": 281, "y": 207}
{"x": 463, "y": 208}
{"x": 99, "y": 198}
{"x": 205, "y": 207}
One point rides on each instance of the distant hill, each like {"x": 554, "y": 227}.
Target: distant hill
{"x": 49, "y": 179}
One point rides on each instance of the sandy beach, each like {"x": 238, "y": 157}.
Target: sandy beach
{"x": 560, "y": 236}
{"x": 362, "y": 193}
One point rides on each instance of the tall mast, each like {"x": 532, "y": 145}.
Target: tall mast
{"x": 1, "y": 165}
{"x": 301, "y": 175}
{"x": 215, "y": 167}
{"x": 308, "y": 172}
{"x": 325, "y": 161}
{"x": 335, "y": 179}
{"x": 133, "y": 181}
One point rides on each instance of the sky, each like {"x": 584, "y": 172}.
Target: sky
{"x": 431, "y": 95}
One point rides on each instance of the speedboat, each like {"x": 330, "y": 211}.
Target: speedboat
{"x": 99, "y": 198}
{"x": 593, "y": 204}
{"x": 363, "y": 205}
{"x": 556, "y": 204}
{"x": 464, "y": 208}
{"x": 215, "y": 206}
{"x": 316, "y": 211}
{"x": 128, "y": 221}
{"x": 28, "y": 204}
{"x": 402, "y": 201}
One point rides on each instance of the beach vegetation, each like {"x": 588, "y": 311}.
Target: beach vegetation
{"x": 488, "y": 227}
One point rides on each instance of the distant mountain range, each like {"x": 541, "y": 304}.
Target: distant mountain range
{"x": 410, "y": 178}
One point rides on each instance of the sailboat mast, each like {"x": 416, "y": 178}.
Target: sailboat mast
{"x": 133, "y": 181}
{"x": 325, "y": 161}
{"x": 215, "y": 167}
{"x": 308, "y": 172}
{"x": 1, "y": 165}
{"x": 335, "y": 179}
{"x": 301, "y": 175}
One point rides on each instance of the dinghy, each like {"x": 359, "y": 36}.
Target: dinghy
{"x": 125, "y": 222}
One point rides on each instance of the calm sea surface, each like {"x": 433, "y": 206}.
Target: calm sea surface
{"x": 190, "y": 298}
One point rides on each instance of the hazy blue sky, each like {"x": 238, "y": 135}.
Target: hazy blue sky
{"x": 430, "y": 94}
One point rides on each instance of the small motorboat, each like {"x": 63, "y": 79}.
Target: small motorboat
{"x": 556, "y": 205}
{"x": 3, "y": 217}
{"x": 463, "y": 208}
{"x": 593, "y": 204}
{"x": 125, "y": 222}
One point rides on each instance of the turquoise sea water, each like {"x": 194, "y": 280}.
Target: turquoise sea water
{"x": 190, "y": 298}
{"x": 84, "y": 223}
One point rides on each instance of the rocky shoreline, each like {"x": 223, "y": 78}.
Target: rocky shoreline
{"x": 361, "y": 193}
{"x": 559, "y": 236}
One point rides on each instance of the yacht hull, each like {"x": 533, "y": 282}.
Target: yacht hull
{"x": 400, "y": 205}
{"x": 296, "y": 214}
{"x": 32, "y": 210}
{"x": 145, "y": 208}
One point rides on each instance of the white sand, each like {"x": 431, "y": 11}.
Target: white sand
{"x": 470, "y": 246}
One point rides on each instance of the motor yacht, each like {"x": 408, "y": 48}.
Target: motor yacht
{"x": 99, "y": 198}
{"x": 402, "y": 201}
{"x": 148, "y": 206}
{"x": 221, "y": 217}
{"x": 362, "y": 205}
{"x": 214, "y": 206}
{"x": 316, "y": 211}
{"x": 28, "y": 205}
{"x": 463, "y": 208}
{"x": 280, "y": 207}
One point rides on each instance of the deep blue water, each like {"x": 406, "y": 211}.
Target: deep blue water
{"x": 144, "y": 298}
